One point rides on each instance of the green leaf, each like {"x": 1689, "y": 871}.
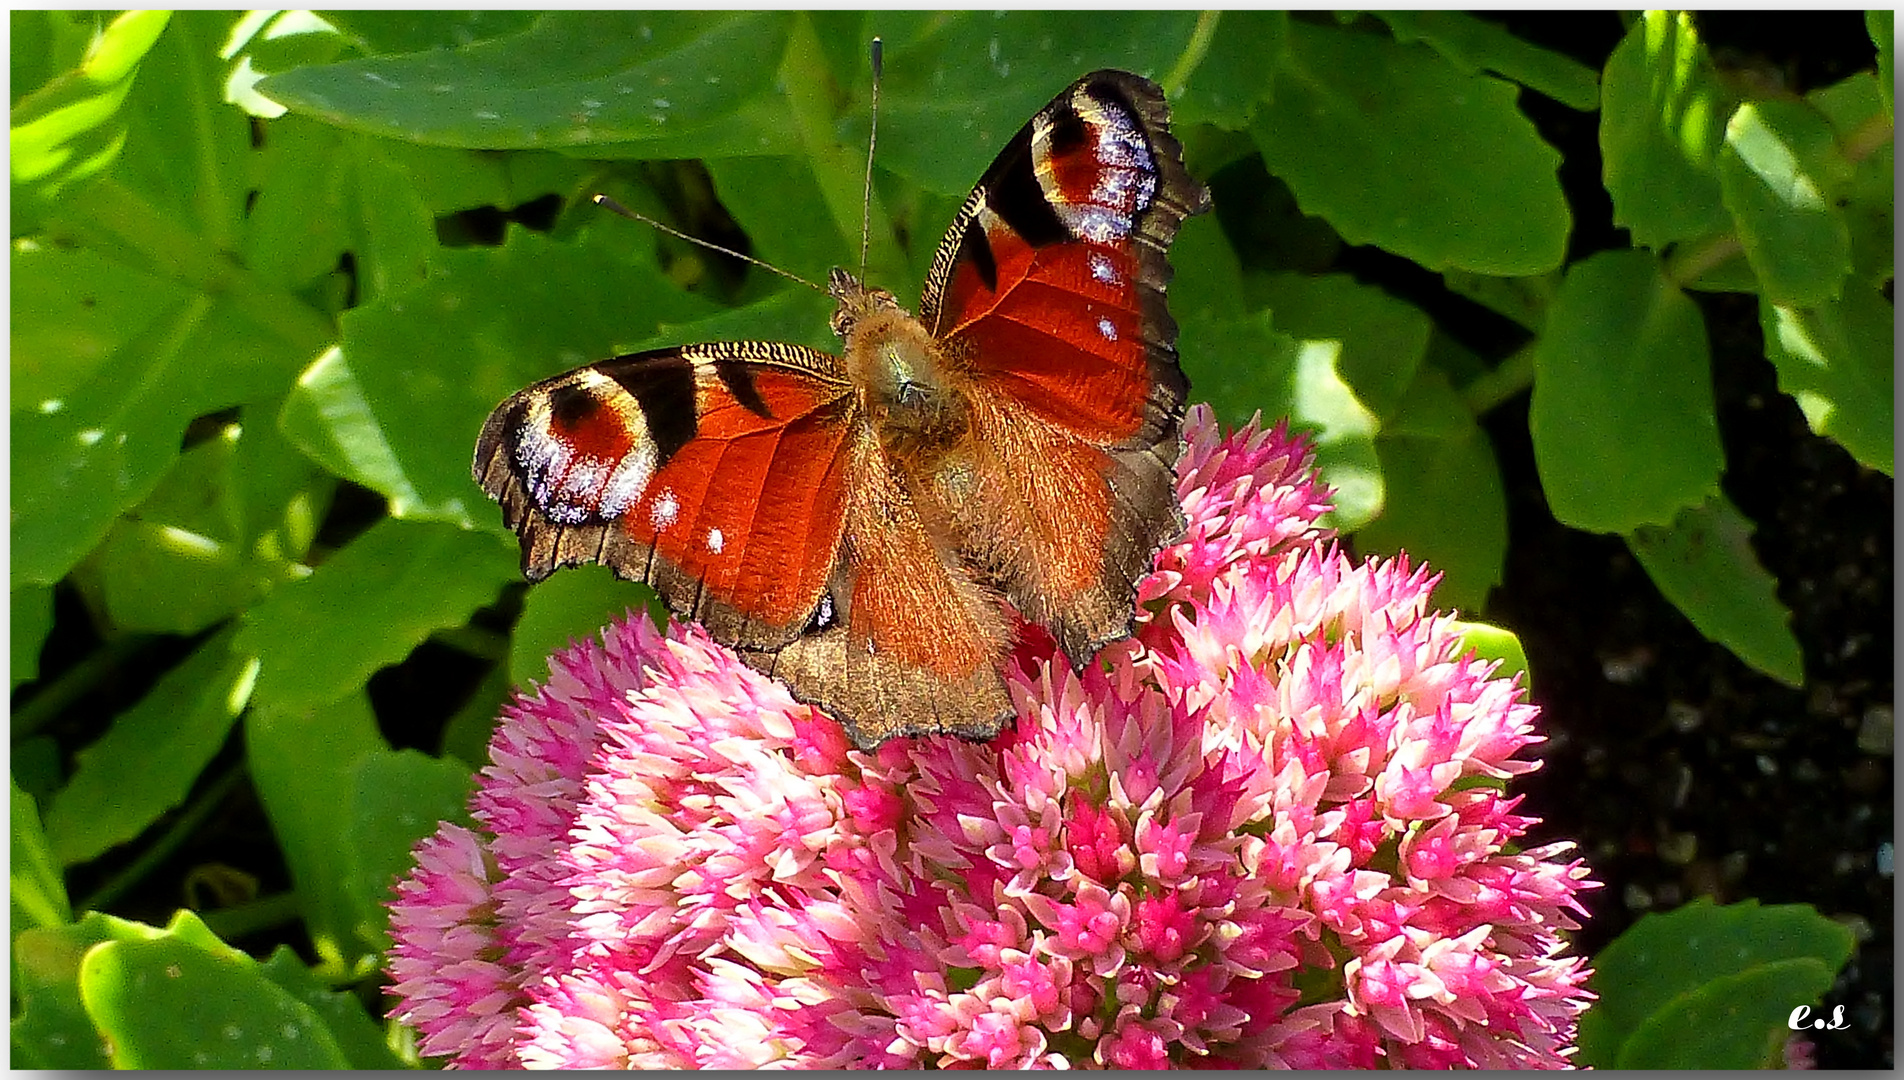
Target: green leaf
{"x": 1242, "y": 366}
{"x": 1480, "y": 191}
{"x": 1496, "y": 643}
{"x": 32, "y": 620}
{"x": 1836, "y": 360}
{"x": 1733, "y": 1022}
{"x": 1524, "y": 300}
{"x": 72, "y": 128}
{"x": 369, "y": 605}
{"x": 1445, "y": 504}
{"x": 73, "y": 310}
{"x": 385, "y": 31}
{"x": 1881, "y": 24}
{"x": 570, "y": 79}
{"x": 959, "y": 85}
{"x": 323, "y": 193}
{"x": 1666, "y": 958}
{"x": 301, "y": 762}
{"x": 1382, "y": 339}
{"x": 39, "y": 890}
{"x": 360, "y": 1040}
{"x": 147, "y": 761}
{"x": 1781, "y": 175}
{"x": 1473, "y": 44}
{"x": 172, "y": 205}
{"x": 1662, "y": 121}
{"x": 226, "y": 525}
{"x": 1623, "y": 423}
{"x": 388, "y": 410}
{"x": 173, "y": 1002}
{"x": 1236, "y": 73}
{"x": 571, "y": 605}
{"x": 1860, "y": 118}
{"x": 397, "y": 799}
{"x": 1705, "y": 565}
{"x": 50, "y": 1027}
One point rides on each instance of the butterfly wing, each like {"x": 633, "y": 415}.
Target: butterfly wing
{"x": 1051, "y": 283}
{"x": 715, "y": 473}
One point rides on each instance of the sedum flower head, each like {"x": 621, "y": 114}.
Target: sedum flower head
{"x": 1268, "y": 830}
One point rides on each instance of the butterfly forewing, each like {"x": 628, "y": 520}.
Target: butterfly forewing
{"x": 712, "y": 472}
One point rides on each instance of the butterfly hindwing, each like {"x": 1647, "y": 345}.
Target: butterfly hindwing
{"x": 715, "y": 473}
{"x": 1051, "y": 282}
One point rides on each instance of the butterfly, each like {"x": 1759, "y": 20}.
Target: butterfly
{"x": 866, "y": 527}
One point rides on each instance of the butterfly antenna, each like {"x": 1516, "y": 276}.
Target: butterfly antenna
{"x": 872, "y": 140}
{"x": 609, "y": 204}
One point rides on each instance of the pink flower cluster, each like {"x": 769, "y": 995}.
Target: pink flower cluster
{"x": 1269, "y": 830}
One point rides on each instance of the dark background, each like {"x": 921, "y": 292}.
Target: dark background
{"x": 1679, "y": 770}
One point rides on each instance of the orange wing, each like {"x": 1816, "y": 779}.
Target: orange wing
{"x": 1050, "y": 283}
{"x": 715, "y": 473}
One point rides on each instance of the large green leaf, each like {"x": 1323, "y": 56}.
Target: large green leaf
{"x": 958, "y": 85}
{"x": 1475, "y": 44}
{"x": 302, "y": 760}
{"x": 1704, "y": 563}
{"x": 1445, "y": 503}
{"x": 1664, "y": 959}
{"x": 361, "y": 1041}
{"x": 1860, "y": 118}
{"x": 1236, "y": 73}
{"x": 50, "y": 1027}
{"x": 73, "y": 127}
{"x": 1622, "y": 417}
{"x": 1837, "y": 360}
{"x": 1242, "y": 366}
{"x": 1782, "y": 176}
{"x": 397, "y": 797}
{"x": 183, "y": 1000}
{"x": 398, "y": 408}
{"x": 369, "y": 605}
{"x": 570, "y": 79}
{"x": 381, "y": 30}
{"x": 1383, "y": 339}
{"x": 1395, "y": 146}
{"x": 228, "y": 523}
{"x": 147, "y": 761}
{"x": 1662, "y": 122}
{"x": 570, "y": 606}
{"x": 72, "y": 311}
{"x": 1733, "y": 1022}
{"x": 32, "y": 611}
{"x": 171, "y": 205}
{"x": 38, "y": 889}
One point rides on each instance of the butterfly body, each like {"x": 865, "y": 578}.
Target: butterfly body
{"x": 865, "y": 526}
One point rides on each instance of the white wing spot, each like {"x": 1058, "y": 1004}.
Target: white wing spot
{"x": 716, "y": 541}
{"x": 1104, "y": 327}
{"x": 1102, "y": 270}
{"x": 665, "y": 510}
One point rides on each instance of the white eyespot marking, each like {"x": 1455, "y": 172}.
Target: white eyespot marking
{"x": 628, "y": 480}
{"x": 1109, "y": 331}
{"x": 665, "y": 510}
{"x": 1102, "y": 270}
{"x": 716, "y": 541}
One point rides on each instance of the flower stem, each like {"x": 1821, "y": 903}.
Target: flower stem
{"x": 1510, "y": 377}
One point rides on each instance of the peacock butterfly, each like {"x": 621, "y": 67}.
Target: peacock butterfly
{"x": 856, "y": 525}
